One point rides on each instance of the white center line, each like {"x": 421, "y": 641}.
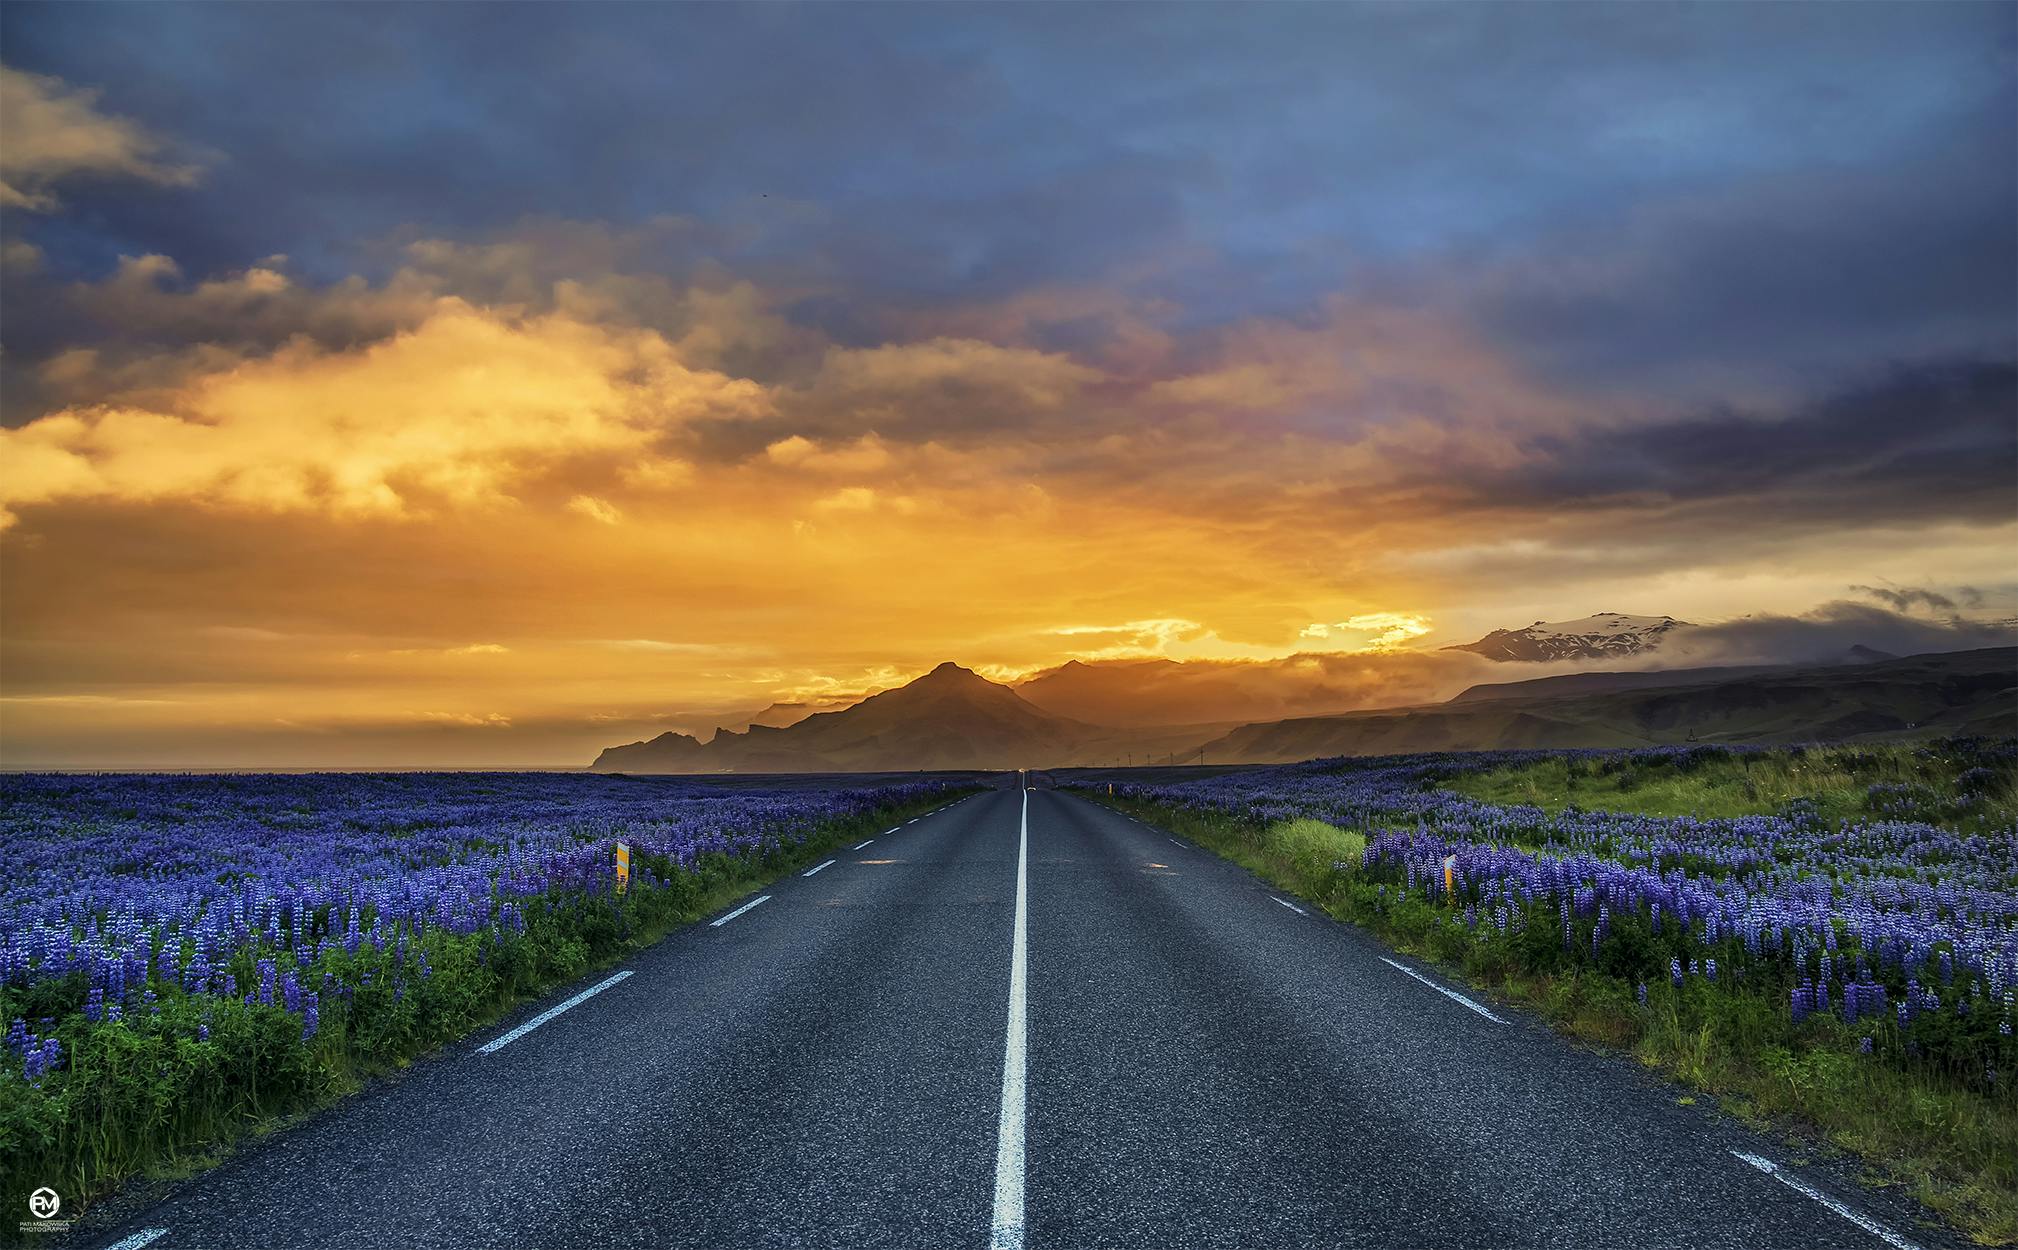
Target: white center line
{"x": 817, "y": 867}
{"x": 1453, "y": 995}
{"x": 493, "y": 1046}
{"x": 1007, "y": 1230}
{"x": 859, "y": 845}
{"x": 1870, "y": 1226}
{"x": 138, "y": 1239}
{"x": 761, "y": 898}
{"x": 1292, "y": 906}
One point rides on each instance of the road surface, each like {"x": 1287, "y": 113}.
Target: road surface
{"x": 1177, "y": 1057}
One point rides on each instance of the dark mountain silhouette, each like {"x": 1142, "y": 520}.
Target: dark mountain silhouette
{"x": 950, "y": 718}
{"x": 953, "y": 718}
{"x": 1961, "y": 692}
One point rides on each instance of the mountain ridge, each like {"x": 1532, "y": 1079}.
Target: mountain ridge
{"x": 953, "y": 718}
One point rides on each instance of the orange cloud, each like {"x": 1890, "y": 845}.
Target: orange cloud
{"x": 455, "y": 411}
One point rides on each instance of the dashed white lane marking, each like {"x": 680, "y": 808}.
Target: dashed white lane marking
{"x": 138, "y": 1239}
{"x": 859, "y": 845}
{"x": 1870, "y": 1226}
{"x": 1175, "y": 842}
{"x": 817, "y": 867}
{"x": 887, "y": 832}
{"x": 761, "y": 898}
{"x": 1006, "y": 1233}
{"x": 1453, "y": 995}
{"x": 1292, "y": 906}
{"x": 499, "y": 1043}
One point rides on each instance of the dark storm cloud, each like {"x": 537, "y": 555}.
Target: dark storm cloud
{"x": 1925, "y": 443}
{"x": 1230, "y": 160}
{"x": 1906, "y": 598}
{"x": 1783, "y": 278}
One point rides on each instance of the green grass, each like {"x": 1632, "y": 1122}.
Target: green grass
{"x": 1952, "y": 1148}
{"x": 149, "y": 1098}
{"x": 1837, "y": 781}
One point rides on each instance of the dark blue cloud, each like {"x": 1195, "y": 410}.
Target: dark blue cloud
{"x": 1619, "y": 191}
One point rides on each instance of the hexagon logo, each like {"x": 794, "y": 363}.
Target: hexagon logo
{"x": 44, "y": 1203}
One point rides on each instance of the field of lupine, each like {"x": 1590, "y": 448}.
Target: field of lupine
{"x": 182, "y": 957}
{"x": 1796, "y": 960}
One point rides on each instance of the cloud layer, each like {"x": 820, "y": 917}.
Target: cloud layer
{"x": 400, "y": 361}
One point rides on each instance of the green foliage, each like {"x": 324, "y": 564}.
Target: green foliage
{"x": 1954, "y": 1145}
{"x": 1945, "y": 783}
{"x": 1312, "y": 846}
{"x": 167, "y": 1086}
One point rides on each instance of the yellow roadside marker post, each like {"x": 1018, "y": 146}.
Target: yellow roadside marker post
{"x": 1450, "y": 878}
{"x": 623, "y": 866}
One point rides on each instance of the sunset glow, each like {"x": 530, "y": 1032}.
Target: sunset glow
{"x": 550, "y": 433}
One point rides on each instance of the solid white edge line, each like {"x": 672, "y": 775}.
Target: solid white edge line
{"x": 761, "y": 898}
{"x": 1870, "y": 1226}
{"x": 499, "y": 1043}
{"x": 1006, "y": 1233}
{"x": 859, "y": 845}
{"x": 817, "y": 867}
{"x": 138, "y": 1239}
{"x": 1292, "y": 906}
{"x": 1453, "y": 995}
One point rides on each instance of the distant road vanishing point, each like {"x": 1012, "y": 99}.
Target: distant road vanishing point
{"x": 1022, "y": 1020}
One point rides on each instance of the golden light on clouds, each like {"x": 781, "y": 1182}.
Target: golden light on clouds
{"x": 454, "y": 412}
{"x": 389, "y": 523}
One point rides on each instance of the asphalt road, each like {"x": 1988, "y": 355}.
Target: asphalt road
{"x": 1191, "y": 1062}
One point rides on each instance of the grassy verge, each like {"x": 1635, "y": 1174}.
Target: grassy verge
{"x": 162, "y": 1093}
{"x": 1908, "y": 781}
{"x": 1954, "y": 1149}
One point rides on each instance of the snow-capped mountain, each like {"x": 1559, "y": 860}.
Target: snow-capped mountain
{"x": 1608, "y": 635}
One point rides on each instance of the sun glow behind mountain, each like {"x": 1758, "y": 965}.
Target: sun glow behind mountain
{"x": 391, "y": 423}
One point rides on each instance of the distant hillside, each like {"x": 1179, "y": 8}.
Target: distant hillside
{"x": 951, "y": 718}
{"x": 1608, "y": 635}
{"x": 1595, "y": 683}
{"x": 1957, "y": 692}
{"x": 1569, "y": 684}
{"x": 1142, "y": 693}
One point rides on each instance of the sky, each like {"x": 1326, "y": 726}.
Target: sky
{"x": 447, "y": 385}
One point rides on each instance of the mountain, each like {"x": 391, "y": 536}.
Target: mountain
{"x": 951, "y": 718}
{"x": 1143, "y": 693}
{"x": 1960, "y": 692}
{"x": 1608, "y": 635}
{"x": 1568, "y": 684}
{"x": 780, "y": 715}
